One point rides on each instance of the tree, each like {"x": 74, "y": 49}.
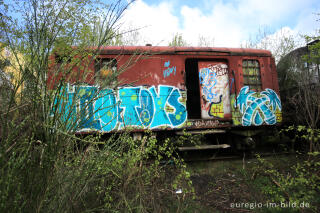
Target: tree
{"x": 35, "y": 135}
{"x": 306, "y": 98}
{"x": 178, "y": 41}
{"x": 280, "y": 43}
{"x": 38, "y": 29}
{"x": 299, "y": 79}
{"x": 205, "y": 41}
{"x": 131, "y": 37}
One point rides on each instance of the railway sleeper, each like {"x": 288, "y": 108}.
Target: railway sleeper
{"x": 202, "y": 147}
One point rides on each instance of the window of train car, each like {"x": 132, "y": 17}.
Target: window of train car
{"x": 251, "y": 74}
{"x": 105, "y": 69}
{"x": 61, "y": 59}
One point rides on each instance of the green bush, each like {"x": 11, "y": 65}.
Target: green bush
{"x": 122, "y": 175}
{"x": 297, "y": 185}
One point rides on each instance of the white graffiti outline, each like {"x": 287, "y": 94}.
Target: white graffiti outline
{"x": 251, "y": 106}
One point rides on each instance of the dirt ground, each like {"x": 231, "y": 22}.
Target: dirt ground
{"x": 230, "y": 186}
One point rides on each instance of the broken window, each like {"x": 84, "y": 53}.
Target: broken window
{"x": 251, "y": 74}
{"x": 105, "y": 69}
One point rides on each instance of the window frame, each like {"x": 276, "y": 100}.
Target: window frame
{"x": 100, "y": 63}
{"x": 251, "y": 72}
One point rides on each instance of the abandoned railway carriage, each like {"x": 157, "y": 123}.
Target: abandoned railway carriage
{"x": 176, "y": 88}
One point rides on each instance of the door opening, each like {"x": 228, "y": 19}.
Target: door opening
{"x": 193, "y": 89}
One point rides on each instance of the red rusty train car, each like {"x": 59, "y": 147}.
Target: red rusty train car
{"x": 199, "y": 89}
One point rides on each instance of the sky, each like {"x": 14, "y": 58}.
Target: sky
{"x": 221, "y": 23}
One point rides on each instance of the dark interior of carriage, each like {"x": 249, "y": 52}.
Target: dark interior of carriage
{"x": 193, "y": 89}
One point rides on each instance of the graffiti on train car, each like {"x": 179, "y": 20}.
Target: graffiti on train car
{"x": 169, "y": 70}
{"x": 258, "y": 108}
{"x": 140, "y": 107}
{"x": 215, "y": 90}
{"x": 203, "y": 123}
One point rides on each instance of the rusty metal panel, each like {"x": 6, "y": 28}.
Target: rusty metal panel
{"x": 150, "y": 95}
{"x": 252, "y": 106}
{"x": 131, "y": 50}
{"x": 152, "y": 70}
{"x": 152, "y": 92}
{"x": 214, "y": 89}
{"x": 139, "y": 70}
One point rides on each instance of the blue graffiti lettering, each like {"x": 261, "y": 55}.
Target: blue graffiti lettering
{"x": 146, "y": 109}
{"x": 64, "y": 107}
{"x": 129, "y": 102}
{"x": 273, "y": 98}
{"x": 87, "y": 121}
{"x": 208, "y": 80}
{"x": 160, "y": 100}
{"x": 167, "y": 72}
{"x": 258, "y": 109}
{"x": 107, "y": 110}
{"x": 70, "y": 109}
{"x": 180, "y": 114}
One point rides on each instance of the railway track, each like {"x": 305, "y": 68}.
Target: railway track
{"x": 194, "y": 156}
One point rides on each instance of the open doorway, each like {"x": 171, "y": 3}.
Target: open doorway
{"x": 193, "y": 89}
{"x": 207, "y": 83}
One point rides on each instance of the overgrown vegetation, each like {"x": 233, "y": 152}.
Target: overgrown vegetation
{"x": 299, "y": 88}
{"x": 295, "y": 187}
{"x": 120, "y": 175}
{"x": 299, "y": 82}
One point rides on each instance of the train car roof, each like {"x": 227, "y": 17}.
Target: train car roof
{"x": 111, "y": 50}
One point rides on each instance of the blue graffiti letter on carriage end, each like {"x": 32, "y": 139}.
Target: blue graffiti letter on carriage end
{"x": 258, "y": 108}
